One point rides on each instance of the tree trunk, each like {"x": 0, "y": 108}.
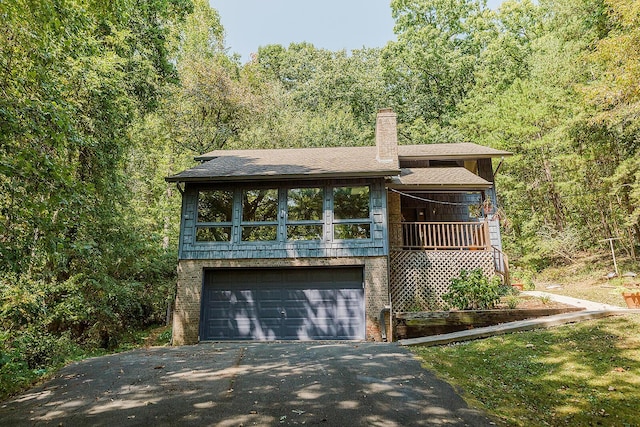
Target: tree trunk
{"x": 556, "y": 200}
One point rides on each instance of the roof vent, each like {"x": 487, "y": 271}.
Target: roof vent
{"x": 386, "y": 136}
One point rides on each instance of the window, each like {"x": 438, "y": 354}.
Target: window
{"x": 351, "y": 213}
{"x": 305, "y": 208}
{"x": 299, "y": 214}
{"x": 215, "y": 208}
{"x": 259, "y": 215}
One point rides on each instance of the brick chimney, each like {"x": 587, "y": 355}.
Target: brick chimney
{"x": 386, "y": 136}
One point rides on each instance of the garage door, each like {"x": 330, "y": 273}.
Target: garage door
{"x": 283, "y": 304}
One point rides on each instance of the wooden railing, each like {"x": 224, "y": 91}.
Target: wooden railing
{"x": 501, "y": 264}
{"x": 440, "y": 235}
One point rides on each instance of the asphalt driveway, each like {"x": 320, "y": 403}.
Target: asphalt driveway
{"x": 245, "y": 384}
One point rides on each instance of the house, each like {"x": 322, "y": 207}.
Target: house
{"x": 322, "y": 243}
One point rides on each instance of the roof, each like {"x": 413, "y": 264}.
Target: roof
{"x": 325, "y": 162}
{"x": 434, "y": 178}
{"x": 291, "y": 163}
{"x": 462, "y": 150}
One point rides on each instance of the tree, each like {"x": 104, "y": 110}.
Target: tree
{"x": 615, "y": 95}
{"x": 527, "y": 100}
{"x": 430, "y": 68}
{"x": 75, "y": 261}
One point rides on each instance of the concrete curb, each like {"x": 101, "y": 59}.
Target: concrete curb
{"x": 576, "y": 302}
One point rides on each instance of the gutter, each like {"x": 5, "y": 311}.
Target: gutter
{"x": 245, "y": 178}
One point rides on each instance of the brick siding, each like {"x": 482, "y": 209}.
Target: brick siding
{"x": 186, "y": 320}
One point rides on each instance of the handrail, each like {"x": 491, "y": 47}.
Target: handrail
{"x": 501, "y": 264}
{"x": 440, "y": 235}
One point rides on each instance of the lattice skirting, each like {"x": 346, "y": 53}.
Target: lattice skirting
{"x": 419, "y": 278}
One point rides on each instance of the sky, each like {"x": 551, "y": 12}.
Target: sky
{"x": 328, "y": 24}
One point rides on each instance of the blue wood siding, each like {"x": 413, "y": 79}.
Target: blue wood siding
{"x": 376, "y": 245}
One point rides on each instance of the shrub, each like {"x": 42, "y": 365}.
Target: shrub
{"x": 472, "y": 290}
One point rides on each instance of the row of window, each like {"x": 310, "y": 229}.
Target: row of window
{"x": 303, "y": 215}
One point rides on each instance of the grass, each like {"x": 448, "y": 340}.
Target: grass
{"x": 574, "y": 375}
{"x": 586, "y": 279}
{"x": 582, "y": 374}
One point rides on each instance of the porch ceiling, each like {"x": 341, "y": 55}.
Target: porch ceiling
{"x": 438, "y": 178}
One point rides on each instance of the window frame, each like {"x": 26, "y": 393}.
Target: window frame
{"x": 199, "y": 225}
{"x": 351, "y": 221}
{"x": 327, "y": 222}
{"x": 305, "y": 222}
{"x": 248, "y": 224}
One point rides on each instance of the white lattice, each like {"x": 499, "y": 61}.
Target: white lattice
{"x": 419, "y": 278}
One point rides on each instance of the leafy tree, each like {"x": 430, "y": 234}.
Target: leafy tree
{"x": 615, "y": 95}
{"x": 210, "y": 105}
{"x": 76, "y": 263}
{"x": 314, "y": 97}
{"x": 527, "y": 99}
{"x": 430, "y": 68}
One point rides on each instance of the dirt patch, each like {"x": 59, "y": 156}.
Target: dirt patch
{"x": 589, "y": 277}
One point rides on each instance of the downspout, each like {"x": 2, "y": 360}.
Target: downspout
{"x": 383, "y": 327}
{"x": 495, "y": 172}
{"x": 180, "y": 189}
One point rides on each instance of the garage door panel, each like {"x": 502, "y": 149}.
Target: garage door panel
{"x": 306, "y": 312}
{"x": 270, "y": 311}
{"x": 308, "y": 328}
{"x": 285, "y": 304}
{"x": 268, "y": 294}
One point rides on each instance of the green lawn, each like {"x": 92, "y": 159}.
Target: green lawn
{"x": 575, "y": 375}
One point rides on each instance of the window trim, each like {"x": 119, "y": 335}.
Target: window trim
{"x": 354, "y": 221}
{"x": 213, "y": 224}
{"x": 242, "y": 223}
{"x": 317, "y": 222}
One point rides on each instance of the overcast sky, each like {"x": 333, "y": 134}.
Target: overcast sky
{"x": 328, "y": 24}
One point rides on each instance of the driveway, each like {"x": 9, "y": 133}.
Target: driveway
{"x": 245, "y": 384}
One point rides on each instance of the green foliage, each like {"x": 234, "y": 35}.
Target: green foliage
{"x": 81, "y": 260}
{"x": 512, "y": 301}
{"x": 472, "y": 290}
{"x": 430, "y": 68}
{"x": 100, "y": 101}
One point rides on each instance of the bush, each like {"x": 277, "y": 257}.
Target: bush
{"x": 48, "y": 319}
{"x": 474, "y": 291}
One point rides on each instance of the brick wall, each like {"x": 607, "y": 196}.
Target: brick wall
{"x": 387, "y": 136}
{"x": 186, "y": 319}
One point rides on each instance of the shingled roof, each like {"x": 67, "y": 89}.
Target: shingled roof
{"x": 459, "y": 151}
{"x": 334, "y": 162}
{"x": 293, "y": 163}
{"x": 435, "y": 178}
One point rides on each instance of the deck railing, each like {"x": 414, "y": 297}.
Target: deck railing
{"x": 501, "y": 264}
{"x": 440, "y": 235}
